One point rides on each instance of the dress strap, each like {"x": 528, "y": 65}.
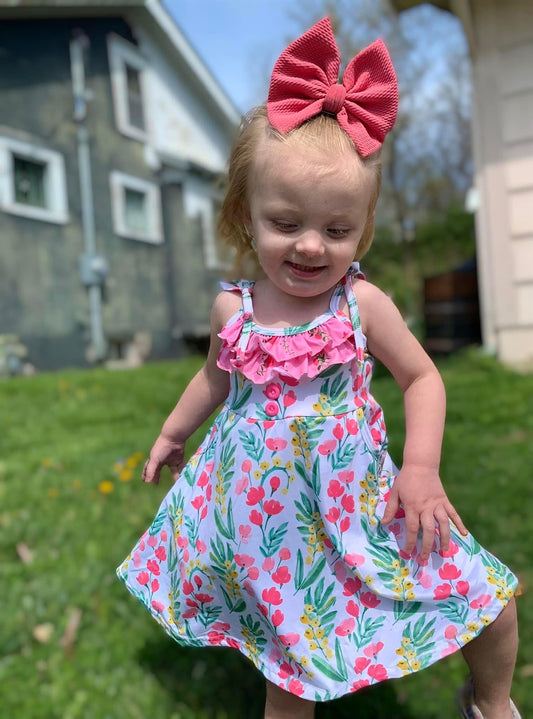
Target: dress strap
{"x": 243, "y": 286}
{"x": 360, "y": 339}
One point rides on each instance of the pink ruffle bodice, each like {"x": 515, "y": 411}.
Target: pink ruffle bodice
{"x": 287, "y": 354}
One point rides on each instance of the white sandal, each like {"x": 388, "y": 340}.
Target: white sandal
{"x": 468, "y": 707}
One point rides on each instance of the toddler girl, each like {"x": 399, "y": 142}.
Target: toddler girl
{"x": 290, "y": 535}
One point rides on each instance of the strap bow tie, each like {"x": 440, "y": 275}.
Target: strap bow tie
{"x": 305, "y": 83}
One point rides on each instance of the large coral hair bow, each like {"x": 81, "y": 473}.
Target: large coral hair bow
{"x": 304, "y": 84}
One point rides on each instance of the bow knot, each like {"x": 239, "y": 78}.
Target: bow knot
{"x": 334, "y": 99}
{"x": 305, "y": 83}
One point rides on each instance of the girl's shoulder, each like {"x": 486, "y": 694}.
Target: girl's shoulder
{"x": 227, "y": 303}
{"x": 373, "y": 304}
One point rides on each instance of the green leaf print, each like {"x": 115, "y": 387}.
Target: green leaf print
{"x": 313, "y": 575}
{"x": 454, "y": 611}
{"x": 253, "y": 446}
{"x": 343, "y": 457}
{"x": 341, "y": 664}
{"x": 188, "y": 475}
{"x": 227, "y": 531}
{"x": 274, "y": 540}
{"x": 242, "y": 398}
{"x": 365, "y": 630}
{"x": 402, "y": 610}
{"x": 423, "y": 630}
{"x": 158, "y": 522}
{"x": 328, "y": 670}
{"x": 315, "y": 477}
{"x": 172, "y": 557}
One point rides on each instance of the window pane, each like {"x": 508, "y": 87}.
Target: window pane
{"x": 29, "y": 178}
{"x": 135, "y": 100}
{"x": 135, "y": 211}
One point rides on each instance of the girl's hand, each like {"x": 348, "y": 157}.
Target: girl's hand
{"x": 164, "y": 452}
{"x": 419, "y": 490}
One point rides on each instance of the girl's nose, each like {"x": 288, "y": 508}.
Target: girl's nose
{"x": 310, "y": 243}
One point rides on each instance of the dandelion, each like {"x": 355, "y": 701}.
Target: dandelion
{"x": 106, "y": 486}
{"x": 53, "y": 492}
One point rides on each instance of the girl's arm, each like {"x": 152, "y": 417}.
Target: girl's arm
{"x": 418, "y": 486}
{"x": 204, "y": 393}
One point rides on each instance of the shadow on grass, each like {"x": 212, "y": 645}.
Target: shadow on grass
{"x": 221, "y": 682}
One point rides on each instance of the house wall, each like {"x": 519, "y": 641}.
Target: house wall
{"x": 503, "y": 142}
{"x": 41, "y": 296}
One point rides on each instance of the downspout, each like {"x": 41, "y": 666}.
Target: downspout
{"x": 93, "y": 267}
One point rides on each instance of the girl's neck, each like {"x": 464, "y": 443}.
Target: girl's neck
{"x": 273, "y": 308}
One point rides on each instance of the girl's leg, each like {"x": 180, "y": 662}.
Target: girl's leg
{"x": 491, "y": 658}
{"x": 283, "y": 705}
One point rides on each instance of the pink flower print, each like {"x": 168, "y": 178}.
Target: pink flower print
{"x": 451, "y": 551}
{"x": 327, "y": 447}
{"x": 346, "y": 476}
{"x": 209, "y": 466}
{"x": 268, "y": 564}
{"x": 352, "y": 608}
{"x": 272, "y": 596}
{"x": 400, "y": 513}
{"x": 198, "y": 581}
{"x": 246, "y": 466}
{"x": 233, "y": 643}
{"x": 376, "y": 435}
{"x": 354, "y": 560}
{"x": 158, "y": 606}
{"x": 289, "y": 639}
{"x": 296, "y": 687}
{"x": 291, "y": 381}
{"x": 222, "y": 626}
{"x": 425, "y": 580}
{"x": 253, "y": 572}
{"x": 203, "y": 513}
{"x": 289, "y": 398}
{"x": 154, "y": 586}
{"x": 378, "y": 672}
{"x": 143, "y": 578}
{"x": 395, "y": 528}
{"x": 271, "y": 408}
{"x": 276, "y": 444}
{"x": 272, "y": 390}
{"x": 344, "y": 525}
{"x": 142, "y": 545}
{"x": 348, "y": 502}
{"x": 272, "y": 506}
{"x": 463, "y": 588}
{"x": 152, "y": 540}
{"x": 361, "y": 663}
{"x": 203, "y": 479}
{"x": 204, "y": 598}
{"x": 450, "y": 632}
{"x": 360, "y": 684}
{"x": 352, "y": 426}
{"x": 338, "y": 431}
{"x": 163, "y": 535}
{"x": 248, "y": 587}
{"x": 244, "y": 531}
{"x": 278, "y": 618}
{"x": 450, "y": 649}
{"x": 284, "y": 553}
{"x": 241, "y": 485}
{"x": 443, "y": 591}
{"x": 137, "y": 560}
{"x": 406, "y": 555}
{"x": 274, "y": 483}
{"x": 373, "y": 650}
{"x": 215, "y": 638}
{"x": 341, "y": 571}
{"x": 186, "y": 555}
{"x": 368, "y": 599}
{"x": 243, "y": 560}
{"x": 285, "y": 670}
{"x": 188, "y": 587}
{"x": 345, "y": 627}
{"x": 480, "y": 602}
{"x": 161, "y": 553}
{"x": 421, "y": 561}
{"x": 254, "y": 496}
{"x": 268, "y": 423}
{"x": 281, "y": 575}
{"x": 153, "y": 567}
{"x": 351, "y": 586}
{"x": 449, "y": 571}
{"x": 197, "y": 501}
{"x": 190, "y": 613}
{"x": 275, "y": 655}
{"x": 333, "y": 514}
{"x": 182, "y": 542}
{"x": 335, "y": 488}
{"x": 209, "y": 492}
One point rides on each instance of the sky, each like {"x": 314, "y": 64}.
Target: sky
{"x": 239, "y": 40}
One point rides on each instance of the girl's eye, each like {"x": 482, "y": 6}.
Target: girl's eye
{"x": 338, "y": 231}
{"x": 285, "y": 226}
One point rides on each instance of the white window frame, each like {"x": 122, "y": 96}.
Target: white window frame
{"x": 119, "y": 182}
{"x": 56, "y": 209}
{"x": 122, "y": 53}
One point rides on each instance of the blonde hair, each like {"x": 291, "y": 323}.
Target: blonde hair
{"x": 322, "y": 131}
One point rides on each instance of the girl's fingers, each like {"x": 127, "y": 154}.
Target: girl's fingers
{"x": 427, "y": 522}
{"x": 456, "y": 519}
{"x": 441, "y": 516}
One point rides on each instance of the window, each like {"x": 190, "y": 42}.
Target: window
{"x": 127, "y": 68}
{"x": 136, "y": 208}
{"x": 32, "y": 181}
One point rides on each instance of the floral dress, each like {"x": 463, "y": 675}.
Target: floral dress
{"x": 271, "y": 542}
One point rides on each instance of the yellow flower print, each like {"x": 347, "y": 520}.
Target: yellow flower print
{"x": 411, "y": 654}
{"x": 323, "y": 397}
{"x": 363, "y": 484}
{"x": 486, "y": 620}
{"x": 403, "y": 665}
{"x": 359, "y": 413}
{"x": 264, "y": 465}
{"x": 257, "y": 474}
{"x": 329, "y": 653}
{"x": 406, "y": 641}
{"x": 308, "y": 634}
{"x": 415, "y": 665}
{"x": 400, "y": 651}
{"x": 304, "y": 619}
{"x": 466, "y": 638}
{"x": 288, "y": 465}
{"x": 315, "y": 623}
{"x": 277, "y": 462}
{"x": 404, "y": 571}
{"x": 309, "y": 608}
{"x": 369, "y": 581}
{"x": 500, "y": 594}
{"x": 317, "y": 407}
{"x": 472, "y": 626}
{"x": 410, "y": 594}
{"x": 313, "y": 646}
{"x": 304, "y": 661}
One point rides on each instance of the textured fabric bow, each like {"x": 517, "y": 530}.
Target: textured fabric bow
{"x": 304, "y": 84}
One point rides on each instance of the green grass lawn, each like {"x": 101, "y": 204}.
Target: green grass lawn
{"x": 71, "y": 451}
